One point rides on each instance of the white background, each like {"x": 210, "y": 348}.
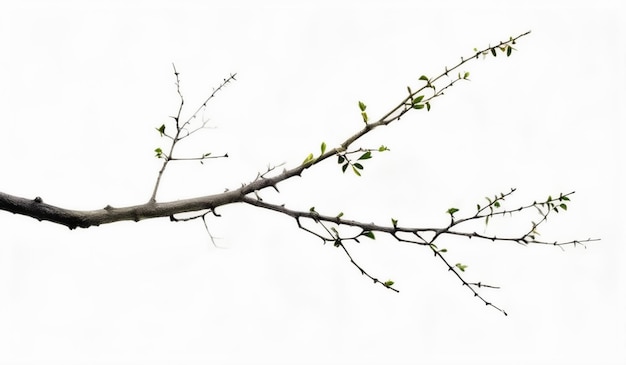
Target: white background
{"x": 84, "y": 84}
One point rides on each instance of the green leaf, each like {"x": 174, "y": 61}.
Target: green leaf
{"x": 365, "y": 118}
{"x": 366, "y": 155}
{"x": 323, "y": 147}
{"x": 356, "y": 171}
{"x": 418, "y": 106}
{"x": 339, "y": 215}
{"x": 159, "y": 152}
{"x": 388, "y": 283}
{"x": 477, "y": 207}
{"x": 418, "y": 99}
{"x": 509, "y": 49}
{"x": 444, "y": 250}
{"x": 461, "y": 266}
{"x": 340, "y": 159}
{"x": 451, "y": 211}
{"x": 383, "y": 148}
{"x": 358, "y": 166}
{"x": 424, "y": 78}
{"x": 308, "y": 159}
{"x": 563, "y": 206}
{"x": 161, "y": 130}
{"x": 466, "y": 75}
{"x": 427, "y": 106}
{"x": 362, "y": 106}
{"x": 368, "y": 234}
{"x": 337, "y": 242}
{"x": 344, "y": 167}
{"x": 394, "y": 222}
{"x": 493, "y": 52}
{"x": 496, "y": 204}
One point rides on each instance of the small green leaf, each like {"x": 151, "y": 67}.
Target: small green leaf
{"x": 339, "y": 215}
{"x": 493, "y": 52}
{"x": 368, "y": 234}
{"x": 356, "y": 171}
{"x": 394, "y": 222}
{"x": 337, "y": 242}
{"x": 466, "y": 75}
{"x": 509, "y": 49}
{"x": 388, "y": 283}
{"x": 443, "y": 250}
{"x": 418, "y": 106}
{"x": 365, "y": 118}
{"x": 362, "y": 106}
{"x": 451, "y": 211}
{"x": 358, "y": 166}
{"x": 461, "y": 266}
{"x": 383, "y": 148}
{"x": 323, "y": 147}
{"x": 424, "y": 78}
{"x": 418, "y": 99}
{"x": 308, "y": 159}
{"x": 563, "y": 206}
{"x": 427, "y": 106}
{"x": 366, "y": 155}
{"x": 496, "y": 204}
{"x": 340, "y": 159}
{"x": 477, "y": 206}
{"x": 344, "y": 167}
{"x": 161, "y": 130}
{"x": 312, "y": 209}
{"x": 159, "y": 152}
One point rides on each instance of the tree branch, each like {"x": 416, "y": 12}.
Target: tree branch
{"x": 330, "y": 225}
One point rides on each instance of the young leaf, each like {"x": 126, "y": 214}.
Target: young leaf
{"x": 339, "y": 215}
{"x": 161, "y": 130}
{"x": 308, "y": 159}
{"x": 424, "y": 78}
{"x": 509, "y": 49}
{"x": 388, "y": 283}
{"x": 563, "y": 206}
{"x": 366, "y": 155}
{"x": 344, "y": 167}
{"x": 365, "y": 118}
{"x": 384, "y": 148}
{"x": 340, "y": 159}
{"x": 443, "y": 250}
{"x": 418, "y": 99}
{"x": 369, "y": 234}
{"x": 427, "y": 106}
{"x": 451, "y": 211}
{"x": 356, "y": 171}
{"x": 461, "y": 266}
{"x": 362, "y": 106}
{"x": 394, "y": 222}
{"x": 418, "y": 106}
{"x": 466, "y": 75}
{"x": 159, "y": 152}
{"x": 323, "y": 147}
{"x": 493, "y": 52}
{"x": 358, "y": 166}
